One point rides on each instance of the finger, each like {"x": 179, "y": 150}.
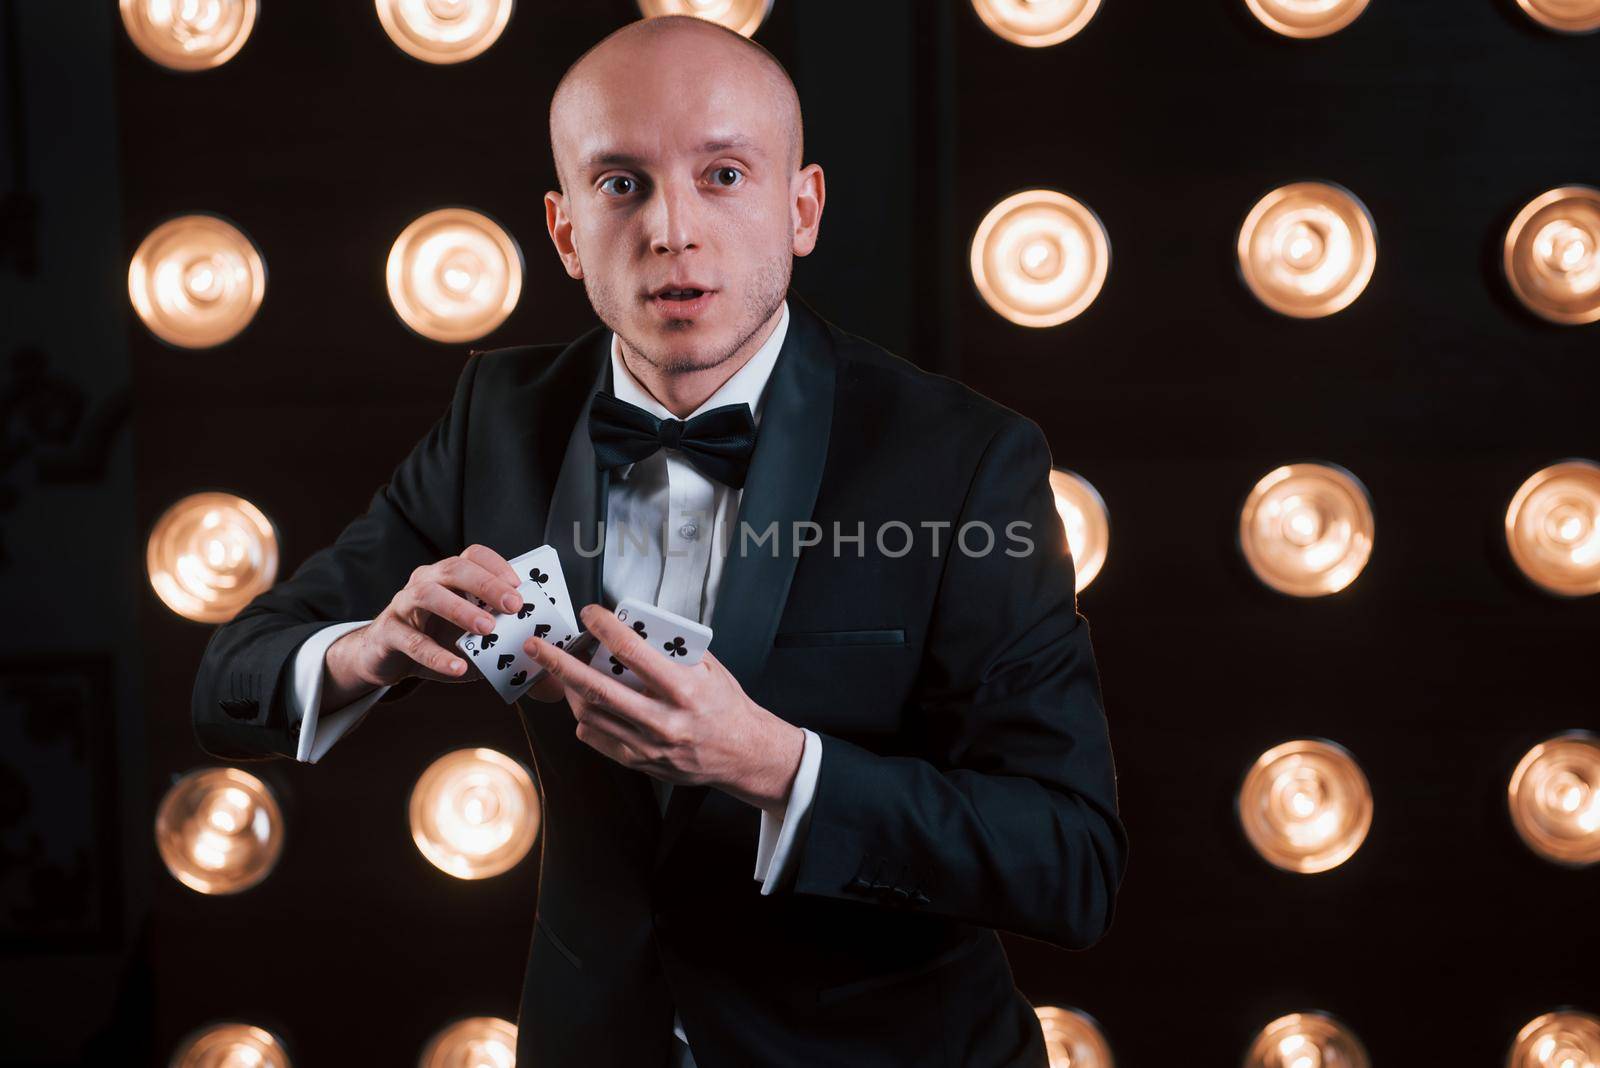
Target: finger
{"x": 449, "y": 605}
{"x": 424, "y": 651}
{"x": 548, "y": 689}
{"x": 602, "y": 741}
{"x": 470, "y": 577}
{"x": 493, "y": 563}
{"x": 591, "y": 687}
{"x": 658, "y": 673}
{"x": 602, "y": 719}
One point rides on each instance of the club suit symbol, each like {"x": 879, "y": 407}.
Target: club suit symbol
{"x": 617, "y": 666}
{"x": 539, "y": 578}
{"x": 675, "y": 647}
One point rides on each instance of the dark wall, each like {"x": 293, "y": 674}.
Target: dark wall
{"x": 1173, "y": 393}
{"x": 75, "y": 860}
{"x": 1439, "y": 667}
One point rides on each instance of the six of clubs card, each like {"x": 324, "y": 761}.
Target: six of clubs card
{"x": 546, "y": 612}
{"x": 674, "y": 637}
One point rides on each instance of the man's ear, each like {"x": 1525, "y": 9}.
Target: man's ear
{"x": 807, "y": 192}
{"x": 559, "y": 224}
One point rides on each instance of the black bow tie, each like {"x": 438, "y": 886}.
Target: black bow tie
{"x": 718, "y": 443}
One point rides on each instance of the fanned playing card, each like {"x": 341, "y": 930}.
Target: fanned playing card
{"x": 680, "y": 640}
{"x": 546, "y": 612}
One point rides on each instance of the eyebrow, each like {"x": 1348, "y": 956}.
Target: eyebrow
{"x": 614, "y": 158}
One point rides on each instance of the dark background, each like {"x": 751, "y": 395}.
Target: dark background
{"x": 1172, "y": 394}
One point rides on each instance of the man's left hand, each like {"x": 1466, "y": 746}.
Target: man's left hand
{"x": 693, "y": 725}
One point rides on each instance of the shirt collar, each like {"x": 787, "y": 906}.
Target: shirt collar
{"x": 748, "y": 384}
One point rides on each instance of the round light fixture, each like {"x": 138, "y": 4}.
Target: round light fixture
{"x": 444, "y": 31}
{"x": 1307, "y": 249}
{"x": 1305, "y": 805}
{"x": 210, "y": 554}
{"x": 1086, "y": 522}
{"x": 1039, "y": 257}
{"x": 1552, "y": 255}
{"x": 196, "y": 281}
{"x": 1306, "y": 529}
{"x": 189, "y": 35}
{"x": 742, "y": 16}
{"x": 219, "y": 830}
{"x": 1553, "y": 528}
{"x": 474, "y": 813}
{"x": 1036, "y": 23}
{"x": 454, "y": 275}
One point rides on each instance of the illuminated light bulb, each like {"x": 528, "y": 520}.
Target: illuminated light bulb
{"x": 1565, "y": 16}
{"x": 1306, "y": 18}
{"x": 231, "y": 1045}
{"x": 454, "y": 275}
{"x": 474, "y": 813}
{"x": 1552, "y": 255}
{"x": 1554, "y": 797}
{"x": 1039, "y": 257}
{"x": 444, "y": 31}
{"x": 1305, "y": 805}
{"x": 219, "y": 830}
{"x": 1307, "y": 249}
{"x": 476, "y": 1042}
{"x": 189, "y": 34}
{"x": 742, "y": 16}
{"x": 1306, "y": 1040}
{"x": 1073, "y": 1039}
{"x": 210, "y": 554}
{"x": 1564, "y": 1039}
{"x": 196, "y": 281}
{"x": 1036, "y": 23}
{"x": 1553, "y": 528}
{"x": 1306, "y": 529}
{"x": 1086, "y": 521}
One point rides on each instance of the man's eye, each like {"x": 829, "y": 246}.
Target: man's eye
{"x": 631, "y": 184}
{"x": 733, "y": 175}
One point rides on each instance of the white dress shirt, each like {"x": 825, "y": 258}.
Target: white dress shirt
{"x": 667, "y": 533}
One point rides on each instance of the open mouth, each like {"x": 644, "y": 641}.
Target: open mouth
{"x": 682, "y": 305}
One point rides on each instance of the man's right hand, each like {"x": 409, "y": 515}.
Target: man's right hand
{"x": 408, "y": 637}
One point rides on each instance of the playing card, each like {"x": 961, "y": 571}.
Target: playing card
{"x": 546, "y": 612}
{"x": 542, "y": 567}
{"x": 674, "y": 637}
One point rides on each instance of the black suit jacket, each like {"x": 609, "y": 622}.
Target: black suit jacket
{"x": 966, "y": 782}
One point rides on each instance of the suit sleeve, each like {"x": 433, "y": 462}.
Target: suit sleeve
{"x": 1011, "y": 822}
{"x": 240, "y": 705}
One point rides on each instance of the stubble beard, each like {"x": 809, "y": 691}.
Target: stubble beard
{"x": 768, "y": 287}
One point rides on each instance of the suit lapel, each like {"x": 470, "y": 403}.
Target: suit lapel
{"x": 780, "y": 490}
{"x": 578, "y": 503}
{"x": 574, "y": 526}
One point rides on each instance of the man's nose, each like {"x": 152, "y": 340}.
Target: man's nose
{"x": 674, "y": 218}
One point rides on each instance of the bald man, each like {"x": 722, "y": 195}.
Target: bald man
{"x": 899, "y": 722}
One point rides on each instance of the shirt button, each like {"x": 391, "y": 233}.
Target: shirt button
{"x": 690, "y": 529}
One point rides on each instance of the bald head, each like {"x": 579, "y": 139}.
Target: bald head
{"x": 655, "y": 50}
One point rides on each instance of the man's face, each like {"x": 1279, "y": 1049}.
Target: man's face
{"x": 677, "y": 174}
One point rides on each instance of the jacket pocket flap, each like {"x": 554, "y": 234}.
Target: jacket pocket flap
{"x": 894, "y": 636}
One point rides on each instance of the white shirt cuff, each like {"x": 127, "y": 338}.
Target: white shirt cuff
{"x": 775, "y": 848}
{"x": 318, "y": 732}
